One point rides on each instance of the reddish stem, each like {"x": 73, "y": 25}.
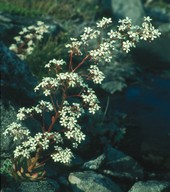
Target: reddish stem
{"x": 54, "y": 118}
{"x": 71, "y": 59}
{"x": 87, "y": 56}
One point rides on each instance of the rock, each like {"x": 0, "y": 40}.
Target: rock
{"x": 122, "y": 165}
{"x": 159, "y": 176}
{"x": 17, "y": 82}
{"x": 123, "y": 176}
{"x": 150, "y": 186}
{"x": 159, "y": 11}
{"x": 129, "y": 8}
{"x": 45, "y": 186}
{"x": 95, "y": 163}
{"x": 89, "y": 181}
{"x": 153, "y": 56}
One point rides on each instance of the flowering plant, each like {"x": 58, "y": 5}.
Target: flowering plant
{"x": 26, "y": 40}
{"x": 69, "y": 92}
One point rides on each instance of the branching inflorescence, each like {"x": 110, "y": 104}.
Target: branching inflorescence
{"x": 70, "y": 83}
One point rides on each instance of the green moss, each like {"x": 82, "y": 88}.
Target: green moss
{"x": 58, "y": 9}
{"x": 14, "y": 9}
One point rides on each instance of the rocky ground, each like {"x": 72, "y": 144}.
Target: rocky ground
{"x": 138, "y": 98}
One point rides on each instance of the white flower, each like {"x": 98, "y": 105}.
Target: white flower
{"x": 69, "y": 115}
{"x": 18, "y": 38}
{"x": 74, "y": 46}
{"x": 148, "y": 19}
{"x": 48, "y": 84}
{"x": 91, "y": 100}
{"x": 13, "y": 47}
{"x": 105, "y": 21}
{"x": 62, "y": 155}
{"x": 40, "y": 23}
{"x": 126, "y": 46}
{"x": 97, "y": 75}
{"x": 88, "y": 30}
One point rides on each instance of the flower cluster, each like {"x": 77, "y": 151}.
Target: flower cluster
{"x": 69, "y": 119}
{"x": 96, "y": 75}
{"x": 17, "y": 131}
{"x": 126, "y": 35}
{"x": 55, "y": 64}
{"x": 69, "y": 107}
{"x": 25, "y": 42}
{"x": 40, "y": 140}
{"x": 62, "y": 155}
{"x": 38, "y": 109}
{"x": 90, "y": 99}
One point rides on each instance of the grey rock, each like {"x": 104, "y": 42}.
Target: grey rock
{"x": 45, "y": 186}
{"x": 151, "y": 186}
{"x": 89, "y": 181}
{"x": 95, "y": 163}
{"x": 123, "y": 176}
{"x": 129, "y": 8}
{"x": 159, "y": 176}
{"x": 17, "y": 82}
{"x": 159, "y": 12}
{"x": 123, "y": 165}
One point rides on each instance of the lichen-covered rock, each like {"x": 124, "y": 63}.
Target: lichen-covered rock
{"x": 122, "y": 165}
{"x": 150, "y": 186}
{"x": 45, "y": 186}
{"x": 89, "y": 181}
{"x": 95, "y": 163}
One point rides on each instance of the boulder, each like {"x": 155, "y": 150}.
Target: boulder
{"x": 122, "y": 166}
{"x": 45, "y": 186}
{"x": 129, "y": 8}
{"x": 17, "y": 82}
{"x": 90, "y": 181}
{"x": 151, "y": 186}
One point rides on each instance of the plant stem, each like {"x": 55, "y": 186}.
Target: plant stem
{"x": 87, "y": 56}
